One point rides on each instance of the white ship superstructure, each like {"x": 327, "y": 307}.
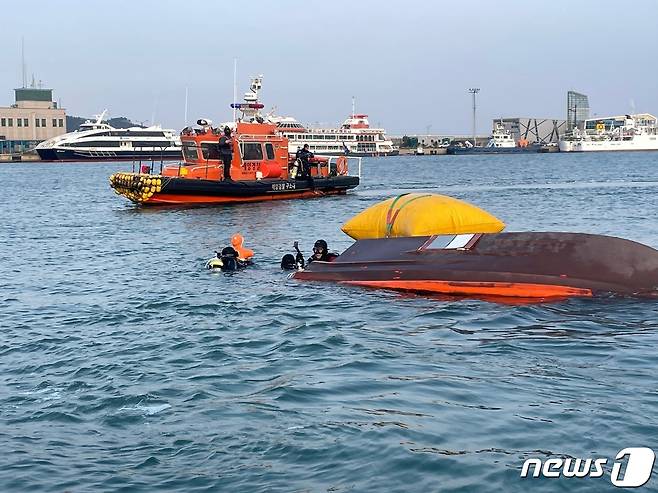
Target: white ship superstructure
{"x": 97, "y": 140}
{"x": 501, "y": 137}
{"x": 614, "y": 133}
{"x": 354, "y": 137}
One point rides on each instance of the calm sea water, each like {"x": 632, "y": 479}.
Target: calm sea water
{"x": 126, "y": 366}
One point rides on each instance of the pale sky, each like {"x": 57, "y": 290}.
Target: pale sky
{"x": 409, "y": 64}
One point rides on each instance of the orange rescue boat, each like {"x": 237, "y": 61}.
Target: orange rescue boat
{"x": 261, "y": 169}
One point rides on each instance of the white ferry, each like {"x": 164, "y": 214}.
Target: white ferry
{"x": 614, "y": 133}
{"x": 353, "y": 138}
{"x": 96, "y": 140}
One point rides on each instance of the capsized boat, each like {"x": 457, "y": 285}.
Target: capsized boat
{"x": 261, "y": 168}
{"x": 523, "y": 265}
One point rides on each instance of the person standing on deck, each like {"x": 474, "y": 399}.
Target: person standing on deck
{"x": 226, "y": 152}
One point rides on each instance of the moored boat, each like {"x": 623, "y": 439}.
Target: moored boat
{"x": 98, "y": 141}
{"x": 614, "y": 133}
{"x": 501, "y": 142}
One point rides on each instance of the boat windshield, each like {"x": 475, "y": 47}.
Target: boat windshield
{"x": 449, "y": 242}
{"x": 190, "y": 151}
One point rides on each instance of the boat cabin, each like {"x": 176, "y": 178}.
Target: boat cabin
{"x": 259, "y": 152}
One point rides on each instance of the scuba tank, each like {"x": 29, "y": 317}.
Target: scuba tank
{"x": 214, "y": 263}
{"x": 295, "y": 169}
{"x": 226, "y": 261}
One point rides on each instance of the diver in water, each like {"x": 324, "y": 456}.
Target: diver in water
{"x": 320, "y": 253}
{"x": 293, "y": 262}
{"x": 233, "y": 257}
{"x": 226, "y": 261}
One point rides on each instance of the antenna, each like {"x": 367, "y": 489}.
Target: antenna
{"x": 23, "y": 60}
{"x": 353, "y": 106}
{"x": 235, "y": 85}
{"x": 155, "y": 107}
{"x": 99, "y": 118}
{"x": 186, "y": 106}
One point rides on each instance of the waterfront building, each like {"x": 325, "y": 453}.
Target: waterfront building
{"x": 540, "y": 130}
{"x": 577, "y": 110}
{"x": 33, "y": 118}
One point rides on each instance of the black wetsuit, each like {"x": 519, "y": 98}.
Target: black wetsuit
{"x": 304, "y": 155}
{"x": 226, "y": 153}
{"x": 325, "y": 257}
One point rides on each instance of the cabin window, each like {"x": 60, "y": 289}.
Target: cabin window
{"x": 157, "y": 144}
{"x": 95, "y": 143}
{"x": 252, "y": 151}
{"x": 210, "y": 150}
{"x": 450, "y": 242}
{"x": 190, "y": 151}
{"x": 269, "y": 149}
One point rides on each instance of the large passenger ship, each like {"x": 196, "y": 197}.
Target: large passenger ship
{"x": 354, "y": 137}
{"x": 614, "y": 133}
{"x": 96, "y": 140}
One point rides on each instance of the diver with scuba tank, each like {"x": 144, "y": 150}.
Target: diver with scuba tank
{"x": 303, "y": 159}
{"x": 232, "y": 257}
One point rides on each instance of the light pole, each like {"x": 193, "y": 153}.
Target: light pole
{"x": 474, "y": 91}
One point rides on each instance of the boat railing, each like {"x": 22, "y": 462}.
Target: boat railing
{"x": 334, "y": 160}
{"x": 143, "y": 166}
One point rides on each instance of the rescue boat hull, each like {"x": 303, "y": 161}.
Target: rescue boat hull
{"x": 185, "y": 191}
{"x": 513, "y": 265}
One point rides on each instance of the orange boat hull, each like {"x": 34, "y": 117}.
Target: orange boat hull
{"x": 493, "y": 289}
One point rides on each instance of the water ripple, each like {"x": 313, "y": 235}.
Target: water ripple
{"x": 127, "y": 366}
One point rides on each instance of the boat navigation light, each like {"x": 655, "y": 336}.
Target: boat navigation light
{"x": 255, "y": 106}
